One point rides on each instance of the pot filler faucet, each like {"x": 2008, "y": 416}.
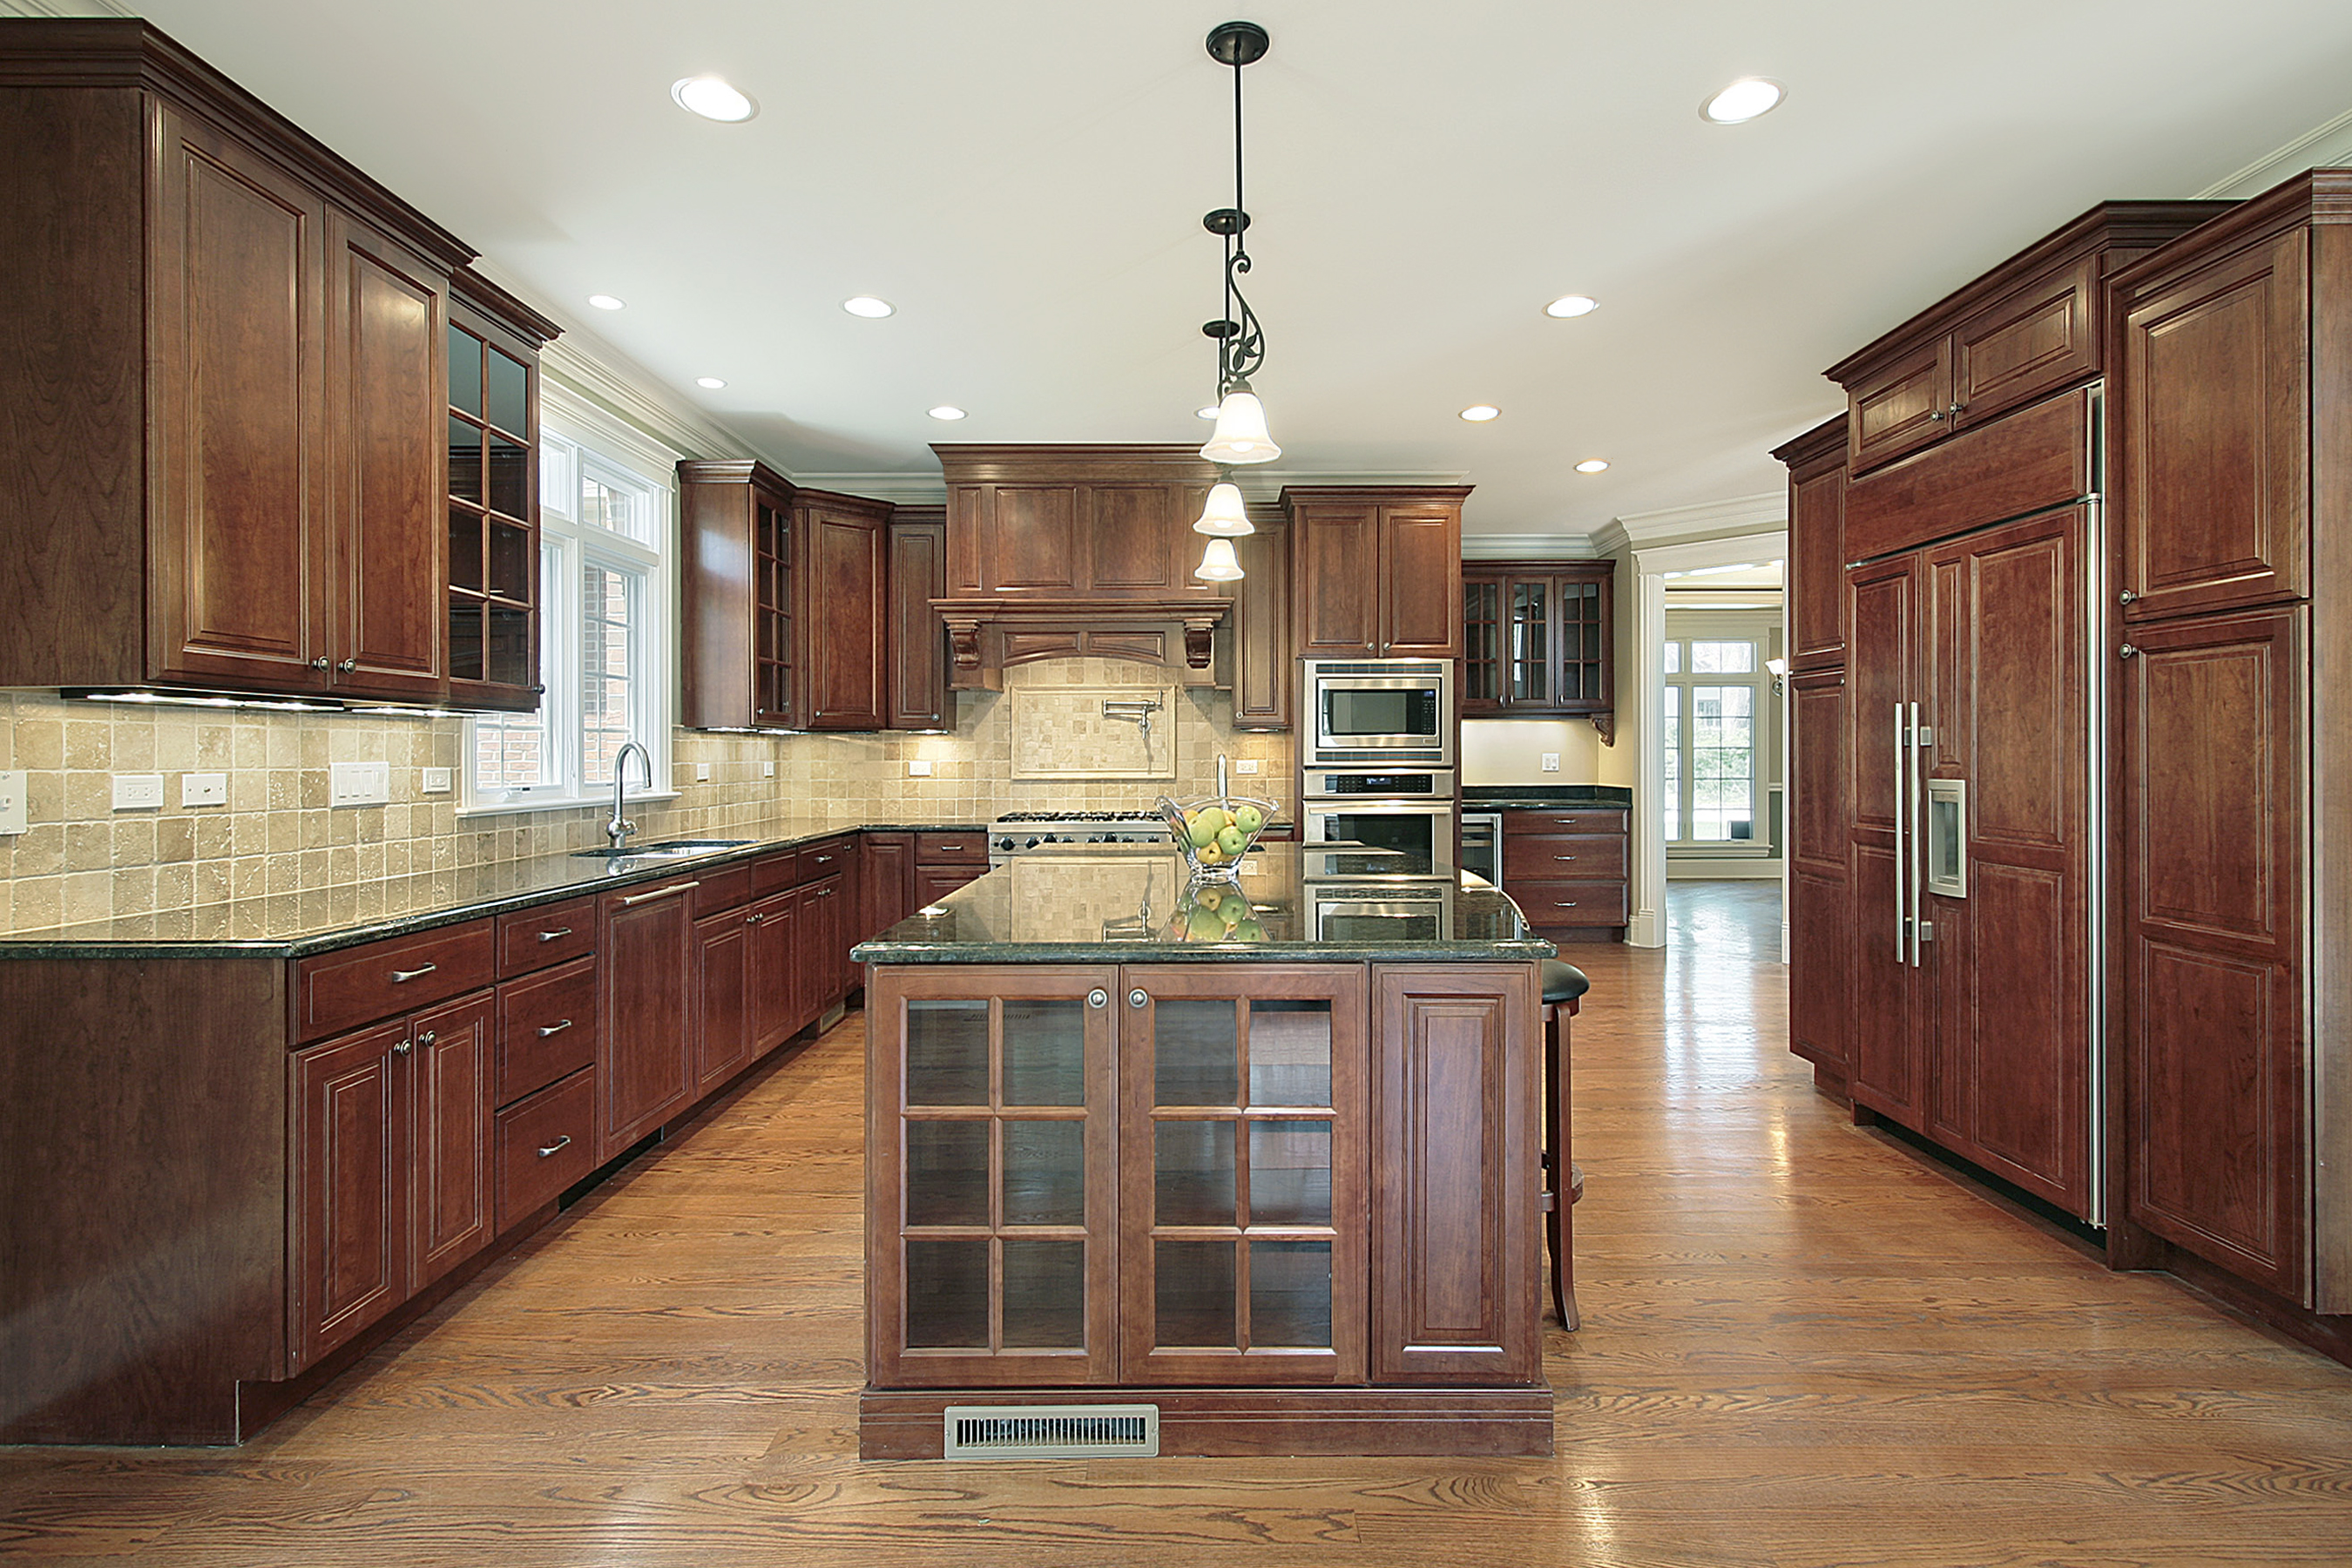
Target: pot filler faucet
{"x": 620, "y": 827}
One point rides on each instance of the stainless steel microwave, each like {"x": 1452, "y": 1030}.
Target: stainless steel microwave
{"x": 1384, "y": 710}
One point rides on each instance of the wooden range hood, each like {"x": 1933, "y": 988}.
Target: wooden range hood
{"x": 1058, "y": 552}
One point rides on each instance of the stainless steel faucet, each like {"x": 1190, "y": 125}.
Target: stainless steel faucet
{"x": 620, "y": 827}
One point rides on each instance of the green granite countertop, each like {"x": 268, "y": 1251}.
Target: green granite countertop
{"x": 1092, "y": 903}
{"x": 320, "y": 920}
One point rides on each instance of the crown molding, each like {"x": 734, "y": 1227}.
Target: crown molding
{"x": 1529, "y": 547}
{"x": 64, "y": 8}
{"x": 2324, "y": 146}
{"x": 1765, "y": 513}
{"x": 1262, "y": 485}
{"x": 899, "y": 488}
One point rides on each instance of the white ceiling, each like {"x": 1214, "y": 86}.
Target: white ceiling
{"x": 1025, "y": 181}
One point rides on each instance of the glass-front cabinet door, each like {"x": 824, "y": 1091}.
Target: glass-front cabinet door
{"x": 990, "y": 1222}
{"x": 1242, "y": 1175}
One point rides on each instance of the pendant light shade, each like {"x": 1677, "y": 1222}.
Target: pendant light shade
{"x": 1218, "y": 565}
{"x": 1240, "y": 436}
{"x": 1224, "y": 516}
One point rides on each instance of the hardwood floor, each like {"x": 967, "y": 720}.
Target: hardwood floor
{"x": 1803, "y": 1345}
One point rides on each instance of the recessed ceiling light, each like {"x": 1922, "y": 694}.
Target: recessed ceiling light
{"x": 1592, "y": 466}
{"x": 1572, "y": 305}
{"x": 1743, "y": 101}
{"x": 1208, "y": 413}
{"x": 866, "y": 305}
{"x": 712, "y": 97}
{"x": 1479, "y": 413}
{"x": 947, "y": 411}
{"x": 708, "y": 382}
{"x": 605, "y": 301}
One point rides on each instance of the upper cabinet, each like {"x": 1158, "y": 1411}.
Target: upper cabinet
{"x": 493, "y": 474}
{"x": 1538, "y": 640}
{"x": 1376, "y": 570}
{"x": 225, "y": 417}
{"x": 1263, "y": 660}
{"x": 917, "y": 685}
{"x": 2033, "y": 325}
{"x": 786, "y": 601}
{"x": 1816, "y": 588}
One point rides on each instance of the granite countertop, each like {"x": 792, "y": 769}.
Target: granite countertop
{"x": 320, "y": 920}
{"x": 1541, "y": 797}
{"x": 1097, "y": 903}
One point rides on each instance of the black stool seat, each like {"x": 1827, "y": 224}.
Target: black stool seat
{"x": 1562, "y": 983}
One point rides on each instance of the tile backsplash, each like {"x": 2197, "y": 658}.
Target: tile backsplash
{"x": 80, "y": 859}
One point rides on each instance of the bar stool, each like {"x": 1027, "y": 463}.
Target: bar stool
{"x": 1564, "y": 985}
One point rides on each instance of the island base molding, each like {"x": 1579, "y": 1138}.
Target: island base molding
{"x": 1237, "y": 1423}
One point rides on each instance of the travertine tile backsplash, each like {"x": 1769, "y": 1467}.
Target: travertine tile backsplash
{"x": 83, "y": 860}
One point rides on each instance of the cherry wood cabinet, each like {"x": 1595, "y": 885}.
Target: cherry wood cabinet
{"x": 1569, "y": 870}
{"x": 645, "y": 1056}
{"x": 885, "y": 880}
{"x": 235, "y": 450}
{"x": 2031, "y": 326}
{"x": 1821, "y": 874}
{"x": 916, "y": 686}
{"x": 1815, "y": 597}
{"x": 845, "y": 615}
{"x": 493, "y": 575}
{"x": 1539, "y": 640}
{"x": 724, "y": 1008}
{"x": 1261, "y": 646}
{"x": 1376, "y": 570}
{"x": 777, "y": 1009}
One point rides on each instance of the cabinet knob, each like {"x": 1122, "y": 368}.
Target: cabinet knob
{"x": 1956, "y": 409}
{"x": 1937, "y": 415}
{"x": 402, "y": 1048}
{"x": 2126, "y": 596}
{"x": 319, "y": 663}
{"x": 2127, "y": 651}
{"x": 1138, "y": 997}
{"x": 1098, "y": 997}
{"x": 348, "y": 666}
{"x": 427, "y": 1037}
{"x": 755, "y": 920}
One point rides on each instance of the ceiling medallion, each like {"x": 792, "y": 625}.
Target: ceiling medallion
{"x": 1241, "y": 436}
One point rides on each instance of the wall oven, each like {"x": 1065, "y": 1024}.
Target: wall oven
{"x": 1380, "y": 710}
{"x": 1421, "y": 829}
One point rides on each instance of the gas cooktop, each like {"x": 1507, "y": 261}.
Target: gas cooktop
{"x": 1016, "y": 831}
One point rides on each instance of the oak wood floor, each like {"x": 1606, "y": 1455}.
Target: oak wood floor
{"x": 1803, "y": 1344}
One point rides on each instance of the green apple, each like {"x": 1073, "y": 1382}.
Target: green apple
{"x": 1248, "y": 818}
{"x": 1247, "y": 930}
{"x": 1231, "y": 840}
{"x": 1204, "y": 926}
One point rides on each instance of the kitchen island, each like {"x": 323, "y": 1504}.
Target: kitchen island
{"x": 1258, "y": 1184}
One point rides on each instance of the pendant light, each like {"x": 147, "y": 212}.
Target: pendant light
{"x": 1241, "y": 436}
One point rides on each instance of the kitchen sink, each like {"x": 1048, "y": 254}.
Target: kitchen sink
{"x": 668, "y": 849}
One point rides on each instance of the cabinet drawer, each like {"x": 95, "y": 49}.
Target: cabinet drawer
{"x": 1547, "y": 903}
{"x": 545, "y": 1144}
{"x": 340, "y": 990}
{"x": 557, "y": 933}
{"x": 547, "y": 1028}
{"x": 951, "y": 848}
{"x": 774, "y": 873}
{"x": 1538, "y": 856}
{"x": 933, "y": 883}
{"x": 723, "y": 888}
{"x": 1516, "y": 823}
{"x": 829, "y": 858}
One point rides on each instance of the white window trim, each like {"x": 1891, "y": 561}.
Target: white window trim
{"x": 1724, "y": 625}
{"x": 572, "y": 421}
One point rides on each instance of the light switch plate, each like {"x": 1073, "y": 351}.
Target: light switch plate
{"x": 918, "y": 769}
{"x": 139, "y": 792}
{"x": 1245, "y": 765}
{"x": 359, "y": 783}
{"x": 702, "y": 773}
{"x": 204, "y": 789}
{"x": 767, "y": 770}
{"x": 1551, "y": 762}
{"x": 436, "y": 781}
{"x": 12, "y": 800}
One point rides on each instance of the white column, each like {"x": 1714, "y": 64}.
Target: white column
{"x": 1647, "y": 926}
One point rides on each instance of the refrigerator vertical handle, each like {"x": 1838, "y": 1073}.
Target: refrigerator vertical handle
{"x": 1916, "y": 915}
{"x": 1902, "y": 793}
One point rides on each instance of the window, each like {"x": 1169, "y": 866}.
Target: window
{"x": 604, "y": 529}
{"x": 1712, "y": 730}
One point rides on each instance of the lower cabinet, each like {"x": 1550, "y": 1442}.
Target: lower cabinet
{"x": 645, "y": 1059}
{"x": 394, "y": 1181}
{"x": 777, "y": 1007}
{"x": 1295, "y": 1175}
{"x": 722, "y": 998}
{"x": 1567, "y": 869}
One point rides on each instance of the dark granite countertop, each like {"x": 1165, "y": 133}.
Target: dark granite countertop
{"x": 1540, "y": 797}
{"x": 1096, "y": 903}
{"x": 320, "y": 920}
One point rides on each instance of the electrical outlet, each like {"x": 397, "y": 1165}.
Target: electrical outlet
{"x": 1244, "y": 764}
{"x": 204, "y": 789}
{"x": 918, "y": 769}
{"x": 12, "y": 800}
{"x": 436, "y": 781}
{"x": 1551, "y": 762}
{"x": 139, "y": 792}
{"x": 702, "y": 773}
{"x": 359, "y": 783}
{"x": 767, "y": 770}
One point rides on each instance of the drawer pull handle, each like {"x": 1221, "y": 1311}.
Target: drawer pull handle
{"x": 1568, "y": 905}
{"x": 403, "y": 976}
{"x": 669, "y": 893}
{"x": 551, "y": 935}
{"x": 1563, "y": 857}
{"x": 824, "y": 860}
{"x": 552, "y": 1148}
{"x": 948, "y": 849}
{"x": 555, "y": 1029}
{"x": 825, "y": 893}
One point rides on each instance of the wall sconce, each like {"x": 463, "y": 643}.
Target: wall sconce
{"x": 1779, "y": 669}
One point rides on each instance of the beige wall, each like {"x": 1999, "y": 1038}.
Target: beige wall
{"x": 82, "y": 860}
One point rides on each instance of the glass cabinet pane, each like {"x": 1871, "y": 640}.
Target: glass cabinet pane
{"x": 947, "y": 1294}
{"x": 1192, "y": 1172}
{"x": 946, "y": 1172}
{"x": 464, "y": 461}
{"x": 508, "y": 657}
{"x": 1290, "y": 1172}
{"x": 510, "y": 477}
{"x": 1531, "y": 642}
{"x": 510, "y": 393}
{"x": 464, "y": 638}
{"x": 1196, "y": 1052}
{"x": 1045, "y": 1172}
{"x": 1290, "y": 1052}
{"x": 464, "y": 549}
{"x": 1195, "y": 1295}
{"x": 1044, "y": 1294}
{"x": 466, "y": 372}
{"x": 1044, "y": 1051}
{"x": 1290, "y": 1294}
{"x": 947, "y": 1053}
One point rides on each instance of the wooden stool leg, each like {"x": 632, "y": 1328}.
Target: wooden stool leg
{"x": 1555, "y": 1158}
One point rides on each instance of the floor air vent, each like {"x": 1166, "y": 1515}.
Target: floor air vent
{"x": 1052, "y": 1431}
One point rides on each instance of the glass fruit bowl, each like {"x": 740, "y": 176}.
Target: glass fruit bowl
{"x": 1213, "y": 910}
{"x": 1215, "y": 831}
